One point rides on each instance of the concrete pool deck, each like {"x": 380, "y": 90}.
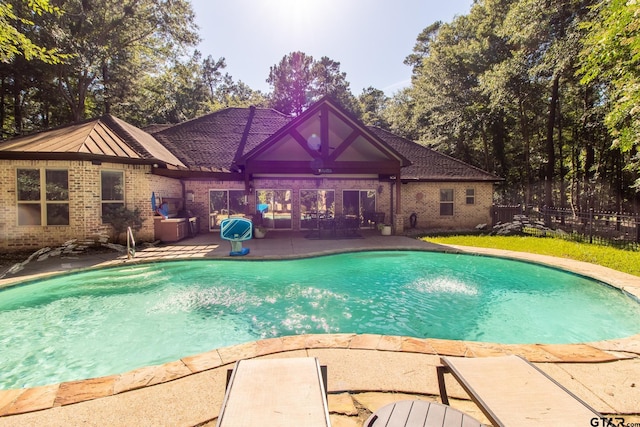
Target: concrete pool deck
{"x": 364, "y": 371}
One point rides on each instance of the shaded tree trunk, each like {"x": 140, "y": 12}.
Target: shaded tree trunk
{"x": 524, "y": 130}
{"x": 17, "y": 105}
{"x": 550, "y": 148}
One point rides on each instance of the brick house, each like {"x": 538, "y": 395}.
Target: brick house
{"x": 286, "y": 173}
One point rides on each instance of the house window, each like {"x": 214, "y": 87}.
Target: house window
{"x": 112, "y": 190}
{"x": 38, "y": 207}
{"x": 470, "y": 196}
{"x": 274, "y": 208}
{"x": 225, "y": 204}
{"x": 446, "y": 202}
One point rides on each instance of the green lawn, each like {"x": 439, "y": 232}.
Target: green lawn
{"x": 621, "y": 260}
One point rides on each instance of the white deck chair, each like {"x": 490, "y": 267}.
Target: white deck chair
{"x": 276, "y": 393}
{"x": 513, "y": 392}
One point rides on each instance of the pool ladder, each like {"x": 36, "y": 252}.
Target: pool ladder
{"x": 131, "y": 244}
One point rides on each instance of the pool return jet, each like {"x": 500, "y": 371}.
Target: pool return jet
{"x": 236, "y": 231}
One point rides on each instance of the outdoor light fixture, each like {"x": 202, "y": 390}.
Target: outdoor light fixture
{"x": 314, "y": 142}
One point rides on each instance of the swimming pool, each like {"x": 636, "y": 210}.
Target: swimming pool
{"x": 107, "y": 321}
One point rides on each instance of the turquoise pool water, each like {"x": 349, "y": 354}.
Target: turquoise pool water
{"x": 114, "y": 320}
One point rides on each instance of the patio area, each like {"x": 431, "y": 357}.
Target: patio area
{"x": 189, "y": 391}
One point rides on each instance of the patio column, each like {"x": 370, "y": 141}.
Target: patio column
{"x": 398, "y": 220}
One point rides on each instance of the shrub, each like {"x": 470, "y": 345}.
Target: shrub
{"x": 120, "y": 218}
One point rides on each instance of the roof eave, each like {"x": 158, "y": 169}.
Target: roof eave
{"x": 452, "y": 179}
{"x": 26, "y": 155}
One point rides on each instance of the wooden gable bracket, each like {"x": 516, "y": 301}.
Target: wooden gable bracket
{"x": 303, "y": 143}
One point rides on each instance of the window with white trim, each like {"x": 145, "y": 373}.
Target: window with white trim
{"x": 43, "y": 198}
{"x": 470, "y": 196}
{"x": 111, "y": 190}
{"x": 446, "y": 202}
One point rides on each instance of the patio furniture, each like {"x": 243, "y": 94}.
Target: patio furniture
{"x": 276, "y": 392}
{"x": 373, "y": 218}
{"x": 419, "y": 413}
{"x": 510, "y": 391}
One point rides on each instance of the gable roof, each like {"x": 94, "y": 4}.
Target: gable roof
{"x": 220, "y": 142}
{"x": 107, "y": 138}
{"x": 214, "y": 141}
{"x": 430, "y": 165}
{"x": 324, "y": 139}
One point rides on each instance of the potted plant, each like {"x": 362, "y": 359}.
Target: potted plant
{"x": 259, "y": 232}
{"x": 385, "y": 229}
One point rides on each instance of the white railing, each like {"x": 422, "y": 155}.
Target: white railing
{"x": 131, "y": 244}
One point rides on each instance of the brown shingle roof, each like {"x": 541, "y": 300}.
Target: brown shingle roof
{"x": 212, "y": 141}
{"x": 429, "y": 165}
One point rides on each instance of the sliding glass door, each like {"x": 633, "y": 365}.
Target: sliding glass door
{"x": 274, "y": 209}
{"x": 224, "y": 204}
{"x": 355, "y": 203}
{"x": 316, "y": 205}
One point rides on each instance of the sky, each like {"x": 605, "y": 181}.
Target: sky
{"x": 369, "y": 38}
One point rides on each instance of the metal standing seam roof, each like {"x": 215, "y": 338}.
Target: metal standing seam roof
{"x": 106, "y": 136}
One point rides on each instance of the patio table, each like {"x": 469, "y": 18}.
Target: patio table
{"x": 419, "y": 413}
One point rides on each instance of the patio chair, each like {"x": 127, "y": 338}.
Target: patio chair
{"x": 510, "y": 391}
{"x": 276, "y": 392}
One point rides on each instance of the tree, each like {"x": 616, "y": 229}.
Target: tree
{"x": 115, "y": 42}
{"x": 16, "y": 25}
{"x": 328, "y": 80}
{"x": 298, "y": 81}
{"x": 544, "y": 32}
{"x": 373, "y": 103}
{"x": 291, "y": 81}
{"x": 497, "y": 88}
{"x": 610, "y": 60}
{"x": 185, "y": 90}
{"x": 119, "y": 217}
{"x": 421, "y": 48}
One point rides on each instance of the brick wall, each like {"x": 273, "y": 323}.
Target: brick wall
{"x": 85, "y": 198}
{"x": 424, "y": 200}
{"x": 85, "y": 220}
{"x": 421, "y": 198}
{"x": 200, "y": 205}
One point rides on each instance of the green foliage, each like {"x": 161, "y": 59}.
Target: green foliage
{"x": 117, "y": 43}
{"x": 497, "y": 88}
{"x": 298, "y": 81}
{"x": 617, "y": 259}
{"x": 119, "y": 217}
{"x": 14, "y": 39}
{"x": 611, "y": 57}
{"x": 373, "y": 103}
{"x": 291, "y": 81}
{"x": 179, "y": 92}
